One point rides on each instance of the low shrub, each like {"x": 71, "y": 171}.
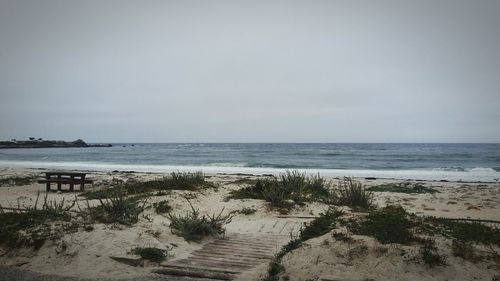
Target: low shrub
{"x": 151, "y": 254}
{"x": 195, "y": 227}
{"x": 275, "y": 268}
{"x": 403, "y": 187}
{"x": 391, "y": 224}
{"x": 463, "y": 249}
{"x": 162, "y": 207}
{"x": 340, "y": 236}
{"x": 464, "y": 230}
{"x": 245, "y": 211}
{"x": 321, "y": 225}
{"x": 429, "y": 254}
{"x": 290, "y": 246}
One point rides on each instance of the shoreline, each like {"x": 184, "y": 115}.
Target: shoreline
{"x": 477, "y": 176}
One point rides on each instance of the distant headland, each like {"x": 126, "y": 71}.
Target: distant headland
{"x": 41, "y": 143}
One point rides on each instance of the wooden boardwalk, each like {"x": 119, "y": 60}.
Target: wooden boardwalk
{"x": 224, "y": 258}
{"x": 246, "y": 245}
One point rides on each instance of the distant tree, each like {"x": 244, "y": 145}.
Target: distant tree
{"x": 32, "y": 138}
{"x": 14, "y": 140}
{"x": 40, "y": 139}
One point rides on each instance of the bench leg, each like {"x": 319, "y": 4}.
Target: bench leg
{"x": 71, "y": 184}
{"x": 59, "y": 184}
{"x": 48, "y": 186}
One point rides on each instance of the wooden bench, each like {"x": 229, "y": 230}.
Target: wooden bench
{"x": 61, "y": 178}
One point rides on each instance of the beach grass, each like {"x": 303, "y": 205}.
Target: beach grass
{"x": 32, "y": 226}
{"x": 116, "y": 207}
{"x": 17, "y": 180}
{"x": 287, "y": 190}
{"x": 194, "y": 227}
{"x": 353, "y": 194}
{"x": 174, "y": 181}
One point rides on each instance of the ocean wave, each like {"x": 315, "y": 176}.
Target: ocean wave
{"x": 474, "y": 175}
{"x": 450, "y": 169}
{"x": 461, "y": 169}
{"x": 225, "y": 164}
{"x": 480, "y": 169}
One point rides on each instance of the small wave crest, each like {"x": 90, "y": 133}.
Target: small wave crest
{"x": 479, "y": 169}
{"x": 450, "y": 169}
{"x": 226, "y": 164}
{"x": 461, "y": 169}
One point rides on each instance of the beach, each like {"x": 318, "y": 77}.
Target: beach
{"x": 86, "y": 253}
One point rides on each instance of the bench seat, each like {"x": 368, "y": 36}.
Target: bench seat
{"x": 65, "y": 181}
{"x": 61, "y": 178}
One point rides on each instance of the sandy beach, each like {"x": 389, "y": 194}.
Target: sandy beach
{"x": 86, "y": 253}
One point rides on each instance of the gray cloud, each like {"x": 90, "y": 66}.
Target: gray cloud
{"x": 320, "y": 71}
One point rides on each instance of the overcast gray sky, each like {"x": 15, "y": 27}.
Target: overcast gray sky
{"x": 250, "y": 71}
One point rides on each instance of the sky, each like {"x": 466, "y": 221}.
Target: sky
{"x": 250, "y": 71}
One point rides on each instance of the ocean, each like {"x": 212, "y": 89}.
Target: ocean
{"x": 454, "y": 162}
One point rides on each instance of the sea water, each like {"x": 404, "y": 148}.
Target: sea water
{"x": 465, "y": 162}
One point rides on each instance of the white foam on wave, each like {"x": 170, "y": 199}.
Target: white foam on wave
{"x": 479, "y": 169}
{"x": 480, "y": 175}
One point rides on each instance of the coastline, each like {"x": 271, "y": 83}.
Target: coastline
{"x": 87, "y": 254}
{"x": 476, "y": 175}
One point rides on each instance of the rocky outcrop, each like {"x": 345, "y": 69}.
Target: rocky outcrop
{"x": 40, "y": 143}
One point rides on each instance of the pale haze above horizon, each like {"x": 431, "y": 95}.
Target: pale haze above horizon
{"x": 250, "y": 71}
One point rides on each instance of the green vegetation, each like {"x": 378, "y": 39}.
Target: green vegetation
{"x": 463, "y": 249}
{"x": 286, "y": 190}
{"x": 429, "y": 253}
{"x": 151, "y": 254}
{"x": 274, "y": 270}
{"x": 162, "y": 207}
{"x": 115, "y": 208}
{"x": 17, "y": 181}
{"x": 319, "y": 226}
{"x": 341, "y": 236}
{"x": 290, "y": 246}
{"x": 175, "y": 181}
{"x": 403, "y": 187}
{"x": 245, "y": 211}
{"x": 248, "y": 181}
{"x": 31, "y": 227}
{"x": 463, "y": 230}
{"x": 391, "y": 224}
{"x": 195, "y": 227}
{"x": 352, "y": 193}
